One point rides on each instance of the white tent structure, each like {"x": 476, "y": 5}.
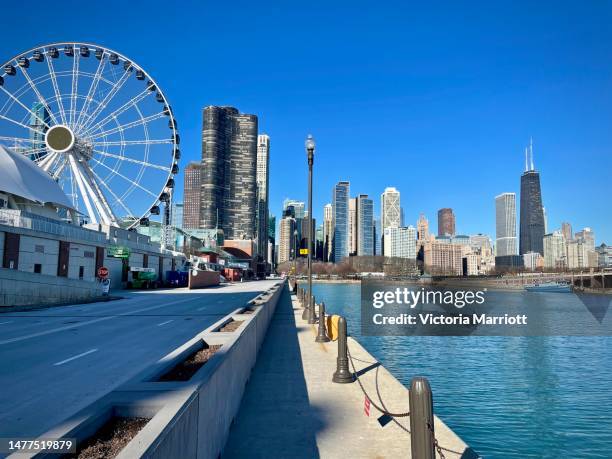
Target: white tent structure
{"x": 22, "y": 178}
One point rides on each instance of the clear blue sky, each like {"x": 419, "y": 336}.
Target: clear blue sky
{"x": 437, "y": 100}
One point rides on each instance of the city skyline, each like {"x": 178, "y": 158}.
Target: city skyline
{"x": 468, "y": 103}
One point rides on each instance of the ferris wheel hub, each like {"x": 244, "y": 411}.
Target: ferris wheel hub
{"x": 59, "y": 138}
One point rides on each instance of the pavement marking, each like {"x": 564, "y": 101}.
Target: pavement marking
{"x": 166, "y": 322}
{"x": 9, "y": 322}
{"x": 91, "y": 351}
{"x": 101, "y": 319}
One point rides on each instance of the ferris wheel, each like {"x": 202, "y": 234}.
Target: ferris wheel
{"x": 98, "y": 123}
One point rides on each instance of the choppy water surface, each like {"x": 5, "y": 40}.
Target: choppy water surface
{"x": 507, "y": 397}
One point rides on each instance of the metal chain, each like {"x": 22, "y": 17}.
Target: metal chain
{"x": 401, "y": 426}
{"x": 381, "y": 409}
{"x": 435, "y": 442}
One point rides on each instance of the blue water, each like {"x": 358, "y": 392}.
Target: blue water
{"x": 507, "y": 397}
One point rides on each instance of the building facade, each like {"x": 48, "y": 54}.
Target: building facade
{"x": 443, "y": 258}
{"x": 532, "y": 228}
{"x": 505, "y": 224}
{"x": 263, "y": 183}
{"x": 340, "y": 215}
{"x": 353, "y": 226}
{"x": 446, "y": 222}
{"x": 555, "y": 251}
{"x": 328, "y": 231}
{"x": 191, "y": 196}
{"x": 229, "y": 160}
{"x": 422, "y": 228}
{"x": 365, "y": 226}
{"x": 400, "y": 242}
{"x": 287, "y": 239}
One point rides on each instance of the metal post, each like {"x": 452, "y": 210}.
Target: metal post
{"x": 312, "y": 317}
{"x": 322, "y": 334}
{"x": 343, "y": 375}
{"x": 421, "y": 419}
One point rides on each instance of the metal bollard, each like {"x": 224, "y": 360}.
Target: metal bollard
{"x": 306, "y": 306}
{"x": 322, "y": 334}
{"x": 343, "y": 375}
{"x": 421, "y": 419}
{"x": 312, "y": 316}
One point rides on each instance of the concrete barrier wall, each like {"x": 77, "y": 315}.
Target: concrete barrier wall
{"x": 204, "y": 279}
{"x": 189, "y": 419}
{"x": 20, "y": 288}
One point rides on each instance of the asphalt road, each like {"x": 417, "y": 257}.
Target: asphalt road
{"x": 55, "y": 361}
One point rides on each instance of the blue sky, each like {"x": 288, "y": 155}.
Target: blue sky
{"x": 438, "y": 100}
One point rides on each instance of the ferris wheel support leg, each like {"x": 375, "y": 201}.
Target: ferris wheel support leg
{"x": 45, "y": 164}
{"x": 99, "y": 200}
{"x": 77, "y": 176}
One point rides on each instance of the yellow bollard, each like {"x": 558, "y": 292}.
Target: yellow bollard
{"x": 332, "y": 327}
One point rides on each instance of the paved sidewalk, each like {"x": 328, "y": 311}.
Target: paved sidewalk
{"x": 291, "y": 408}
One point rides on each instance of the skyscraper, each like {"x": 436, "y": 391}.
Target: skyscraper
{"x": 328, "y": 231}
{"x": 352, "y": 226}
{"x": 555, "y": 250}
{"x": 287, "y": 239}
{"x": 39, "y": 120}
{"x": 340, "y": 209}
{"x": 263, "y": 181}
{"x": 390, "y": 208}
{"x": 446, "y": 222}
{"x": 422, "y": 228}
{"x": 377, "y": 237}
{"x": 177, "y": 215}
{"x": 566, "y": 229}
{"x": 365, "y": 226}
{"x": 505, "y": 224}
{"x": 298, "y": 207}
{"x": 400, "y": 242}
{"x": 229, "y": 159}
{"x": 532, "y": 214}
{"x": 191, "y": 196}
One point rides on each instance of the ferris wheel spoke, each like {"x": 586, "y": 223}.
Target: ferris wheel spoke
{"x": 125, "y": 107}
{"x": 55, "y": 174}
{"x": 112, "y": 193}
{"x": 111, "y": 94}
{"x": 32, "y": 112}
{"x": 11, "y": 120}
{"x": 58, "y": 95}
{"x": 74, "y": 87}
{"x": 92, "y": 90}
{"x": 41, "y": 99}
{"x": 18, "y": 139}
{"x": 96, "y": 196}
{"x": 119, "y": 174}
{"x": 126, "y": 143}
{"x": 131, "y": 160}
{"x": 130, "y": 125}
{"x": 46, "y": 162}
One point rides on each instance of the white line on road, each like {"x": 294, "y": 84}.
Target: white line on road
{"x": 9, "y": 322}
{"x": 166, "y": 322}
{"x": 101, "y": 319}
{"x": 91, "y": 351}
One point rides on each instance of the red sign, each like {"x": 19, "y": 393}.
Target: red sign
{"x": 366, "y": 406}
{"x": 102, "y": 272}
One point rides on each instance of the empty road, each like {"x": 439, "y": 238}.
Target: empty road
{"x": 55, "y": 361}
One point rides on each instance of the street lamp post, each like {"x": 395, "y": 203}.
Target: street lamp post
{"x": 295, "y": 252}
{"x": 309, "y": 314}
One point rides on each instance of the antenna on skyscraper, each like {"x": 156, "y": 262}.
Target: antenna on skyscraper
{"x": 526, "y": 162}
{"x": 531, "y": 151}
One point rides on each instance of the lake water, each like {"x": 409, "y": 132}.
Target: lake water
{"x": 507, "y": 397}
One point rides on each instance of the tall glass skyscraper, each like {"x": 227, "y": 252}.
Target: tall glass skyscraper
{"x": 365, "y": 226}
{"x": 263, "y": 181}
{"x": 532, "y": 213}
{"x": 39, "y": 119}
{"x": 229, "y": 160}
{"x": 340, "y": 210}
{"x": 505, "y": 224}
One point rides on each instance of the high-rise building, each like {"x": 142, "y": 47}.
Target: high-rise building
{"x": 340, "y": 212}
{"x": 263, "y": 182}
{"x": 377, "y": 237}
{"x": 328, "y": 231}
{"x": 604, "y": 256}
{"x": 446, "y": 222}
{"x": 365, "y": 226}
{"x": 298, "y": 207}
{"x": 272, "y": 228}
{"x": 352, "y": 226}
{"x": 566, "y": 229}
{"x": 422, "y": 228}
{"x": 287, "y": 240}
{"x": 307, "y": 223}
{"x": 588, "y": 237}
{"x": 505, "y": 224}
{"x": 400, "y": 242}
{"x": 390, "y": 208}
{"x": 229, "y": 159}
{"x": 533, "y": 261}
{"x": 39, "y": 122}
{"x": 555, "y": 252}
{"x": 177, "y": 215}
{"x": 531, "y": 235}
{"x": 191, "y": 196}
{"x": 577, "y": 255}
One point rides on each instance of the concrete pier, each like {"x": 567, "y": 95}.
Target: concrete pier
{"x": 291, "y": 408}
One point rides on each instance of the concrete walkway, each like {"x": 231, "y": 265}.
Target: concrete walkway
{"x": 291, "y": 409}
